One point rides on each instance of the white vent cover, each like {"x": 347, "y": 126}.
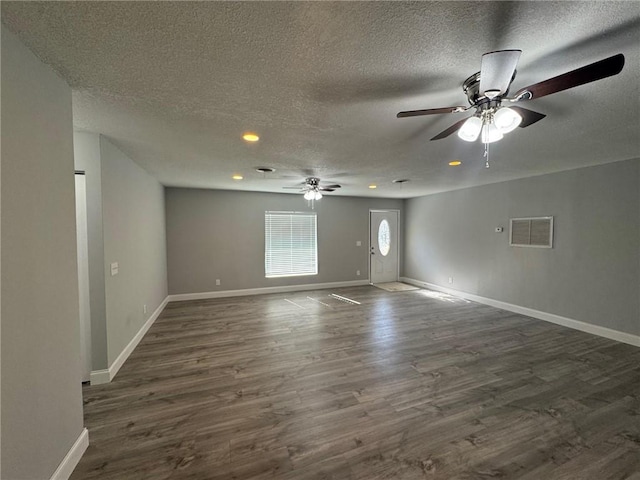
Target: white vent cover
{"x": 531, "y": 232}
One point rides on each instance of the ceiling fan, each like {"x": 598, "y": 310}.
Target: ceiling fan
{"x": 488, "y": 91}
{"x": 312, "y": 189}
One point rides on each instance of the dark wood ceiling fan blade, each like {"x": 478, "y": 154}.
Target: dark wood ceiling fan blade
{"x": 325, "y": 189}
{"x": 332, "y": 186}
{"x": 430, "y": 111}
{"x": 294, "y": 188}
{"x": 529, "y": 117}
{"x": 496, "y": 72}
{"x": 587, "y": 74}
{"x": 453, "y": 128}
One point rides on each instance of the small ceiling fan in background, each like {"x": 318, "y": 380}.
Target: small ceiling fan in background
{"x": 488, "y": 90}
{"x": 312, "y": 189}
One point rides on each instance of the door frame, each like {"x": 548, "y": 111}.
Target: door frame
{"x": 82, "y": 256}
{"x": 384, "y": 210}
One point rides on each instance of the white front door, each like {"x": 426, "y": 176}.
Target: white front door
{"x": 383, "y": 246}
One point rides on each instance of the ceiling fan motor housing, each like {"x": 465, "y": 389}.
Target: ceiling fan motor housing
{"x": 313, "y": 182}
{"x": 471, "y": 88}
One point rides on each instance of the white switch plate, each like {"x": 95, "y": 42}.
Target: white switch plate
{"x": 144, "y": 309}
{"x": 358, "y": 273}
{"x": 450, "y": 279}
{"x": 114, "y": 268}
{"x": 217, "y": 281}
{"x": 358, "y": 243}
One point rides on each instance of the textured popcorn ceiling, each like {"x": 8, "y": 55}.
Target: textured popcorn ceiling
{"x": 175, "y": 84}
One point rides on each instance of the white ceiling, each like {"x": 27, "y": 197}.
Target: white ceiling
{"x": 175, "y": 84}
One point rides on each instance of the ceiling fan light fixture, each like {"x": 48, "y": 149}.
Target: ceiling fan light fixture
{"x": 507, "y": 119}
{"x": 490, "y": 133}
{"x": 470, "y": 129}
{"x": 309, "y": 195}
{"x": 317, "y": 195}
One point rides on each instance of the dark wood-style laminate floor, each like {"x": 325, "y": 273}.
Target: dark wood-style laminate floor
{"x": 406, "y": 385}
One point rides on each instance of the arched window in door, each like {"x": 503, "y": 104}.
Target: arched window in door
{"x": 384, "y": 238}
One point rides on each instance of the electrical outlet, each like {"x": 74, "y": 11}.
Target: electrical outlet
{"x": 358, "y": 273}
{"x": 217, "y": 281}
{"x": 358, "y": 243}
{"x": 144, "y": 309}
{"x": 450, "y": 279}
{"x": 114, "y": 268}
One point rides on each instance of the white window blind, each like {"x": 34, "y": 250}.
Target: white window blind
{"x": 291, "y": 246}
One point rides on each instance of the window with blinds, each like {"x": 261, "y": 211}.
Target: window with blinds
{"x": 532, "y": 232}
{"x": 291, "y": 245}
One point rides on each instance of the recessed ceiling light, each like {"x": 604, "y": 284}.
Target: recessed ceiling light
{"x": 251, "y": 137}
{"x": 237, "y": 177}
{"x": 455, "y": 163}
{"x": 373, "y": 186}
{"x": 265, "y": 169}
{"x": 401, "y": 180}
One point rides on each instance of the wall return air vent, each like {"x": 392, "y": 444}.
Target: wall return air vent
{"x": 531, "y": 232}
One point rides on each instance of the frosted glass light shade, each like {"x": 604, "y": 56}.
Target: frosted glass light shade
{"x": 491, "y": 133}
{"x": 309, "y": 195}
{"x": 317, "y": 196}
{"x": 507, "y": 119}
{"x": 470, "y": 129}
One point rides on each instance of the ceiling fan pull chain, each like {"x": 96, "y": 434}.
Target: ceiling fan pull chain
{"x": 486, "y": 155}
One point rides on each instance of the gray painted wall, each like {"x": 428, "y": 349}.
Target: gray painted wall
{"x": 41, "y": 390}
{"x": 593, "y": 272}
{"x": 86, "y": 148}
{"x": 220, "y": 234}
{"x": 134, "y": 236}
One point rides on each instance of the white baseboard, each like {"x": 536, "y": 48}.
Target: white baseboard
{"x": 98, "y": 377}
{"x": 73, "y": 456}
{"x": 264, "y": 290}
{"x": 105, "y": 376}
{"x": 548, "y": 317}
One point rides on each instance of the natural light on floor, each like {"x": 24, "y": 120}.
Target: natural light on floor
{"x": 445, "y": 297}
